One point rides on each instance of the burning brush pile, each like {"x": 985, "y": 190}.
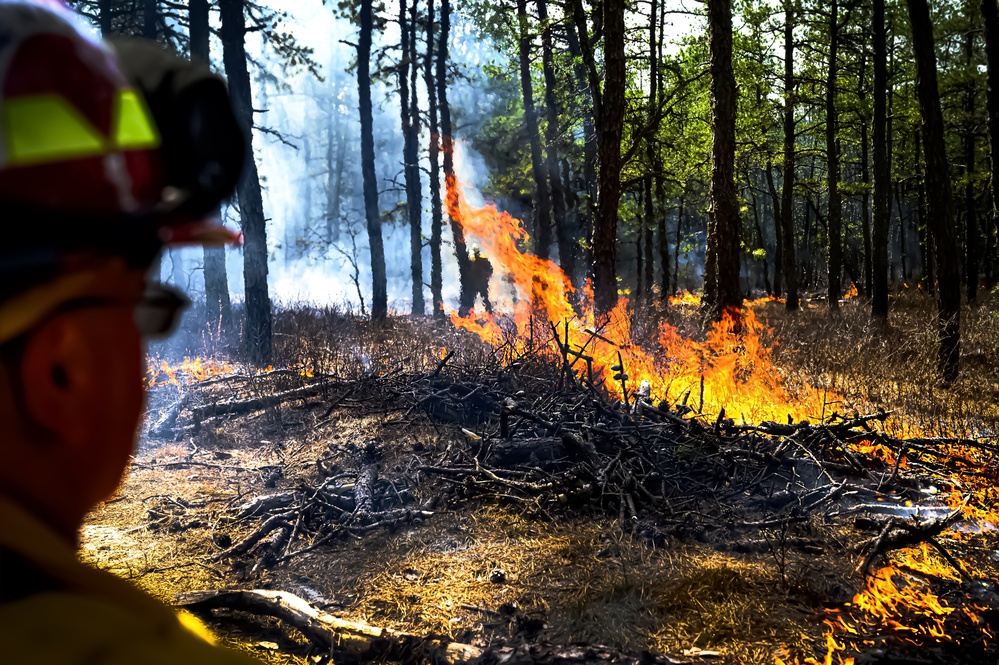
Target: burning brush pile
{"x": 562, "y": 415}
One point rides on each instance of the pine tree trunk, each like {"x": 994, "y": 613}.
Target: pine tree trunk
{"x": 787, "y": 193}
{"x": 467, "y": 297}
{"x": 940, "y": 199}
{"x": 251, "y": 207}
{"x": 865, "y": 207}
{"x": 150, "y": 19}
{"x": 105, "y": 18}
{"x": 990, "y": 14}
{"x": 882, "y": 170}
{"x": 925, "y": 233}
{"x": 611, "y": 123}
{"x": 972, "y": 236}
{"x": 218, "y": 308}
{"x": 409, "y": 112}
{"x": 542, "y": 194}
{"x": 650, "y": 147}
{"x": 379, "y": 286}
{"x": 663, "y": 240}
{"x": 834, "y": 219}
{"x": 436, "y": 213}
{"x": 563, "y": 235}
{"x": 726, "y": 226}
{"x": 335, "y": 166}
{"x": 676, "y": 252}
{"x": 778, "y": 232}
{"x": 760, "y": 243}
{"x": 589, "y": 130}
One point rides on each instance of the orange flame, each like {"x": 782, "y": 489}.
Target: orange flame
{"x": 731, "y": 370}
{"x": 187, "y": 372}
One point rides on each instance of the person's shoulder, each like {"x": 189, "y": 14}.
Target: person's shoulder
{"x": 69, "y": 629}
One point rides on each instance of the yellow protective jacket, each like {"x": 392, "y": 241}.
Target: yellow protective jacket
{"x": 55, "y": 610}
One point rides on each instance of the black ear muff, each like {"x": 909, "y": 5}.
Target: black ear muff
{"x": 202, "y": 145}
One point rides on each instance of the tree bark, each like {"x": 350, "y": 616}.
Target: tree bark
{"x": 150, "y": 19}
{"x": 778, "y": 232}
{"x": 724, "y": 232}
{"x": 834, "y": 219}
{"x": 563, "y": 235}
{"x": 991, "y": 21}
{"x": 925, "y": 233}
{"x": 436, "y": 213}
{"x": 379, "y": 286}
{"x": 972, "y": 236}
{"x": 611, "y": 122}
{"x": 676, "y": 251}
{"x": 542, "y": 195}
{"x": 105, "y": 18}
{"x": 251, "y": 207}
{"x": 409, "y": 113}
{"x": 335, "y": 166}
{"x": 467, "y": 297}
{"x": 787, "y": 188}
{"x": 882, "y": 170}
{"x": 650, "y": 148}
{"x": 218, "y": 308}
{"x": 589, "y": 128}
{"x": 941, "y": 206}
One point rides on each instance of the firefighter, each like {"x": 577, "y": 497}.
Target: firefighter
{"x": 479, "y": 272}
{"x": 99, "y": 169}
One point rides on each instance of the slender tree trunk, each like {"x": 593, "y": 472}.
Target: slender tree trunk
{"x": 251, "y": 207}
{"x": 436, "y": 213}
{"x": 218, "y": 307}
{"x": 542, "y": 194}
{"x": 834, "y": 219}
{"x": 467, "y": 298}
{"x": 760, "y": 242}
{"x": 972, "y": 236}
{"x": 563, "y": 236}
{"x": 925, "y": 234}
{"x": 410, "y": 116}
{"x": 609, "y": 184}
{"x": 379, "y": 286}
{"x": 903, "y": 257}
{"x": 335, "y": 166}
{"x": 639, "y": 237}
{"x": 778, "y": 232}
{"x": 679, "y": 229}
{"x": 941, "y": 206}
{"x": 589, "y": 129}
{"x": 650, "y": 147}
{"x": 865, "y": 207}
{"x": 882, "y": 170}
{"x": 150, "y": 19}
{"x": 663, "y": 240}
{"x": 991, "y": 20}
{"x": 787, "y": 204}
{"x": 725, "y": 230}
{"x": 105, "y": 18}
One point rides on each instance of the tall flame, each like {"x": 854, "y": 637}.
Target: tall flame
{"x": 730, "y": 370}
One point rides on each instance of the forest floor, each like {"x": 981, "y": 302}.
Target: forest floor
{"x": 733, "y": 578}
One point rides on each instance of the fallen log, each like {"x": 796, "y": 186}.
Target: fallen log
{"x": 239, "y": 406}
{"x": 367, "y": 643}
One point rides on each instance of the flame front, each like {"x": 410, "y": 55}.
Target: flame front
{"x": 730, "y": 370}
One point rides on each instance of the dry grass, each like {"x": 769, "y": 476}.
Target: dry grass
{"x": 895, "y": 368}
{"x": 574, "y": 580}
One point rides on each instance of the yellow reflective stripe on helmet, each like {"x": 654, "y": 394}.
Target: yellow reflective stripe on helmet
{"x": 133, "y": 128}
{"x": 47, "y": 128}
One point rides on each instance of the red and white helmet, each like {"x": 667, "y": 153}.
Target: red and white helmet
{"x": 79, "y": 143}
